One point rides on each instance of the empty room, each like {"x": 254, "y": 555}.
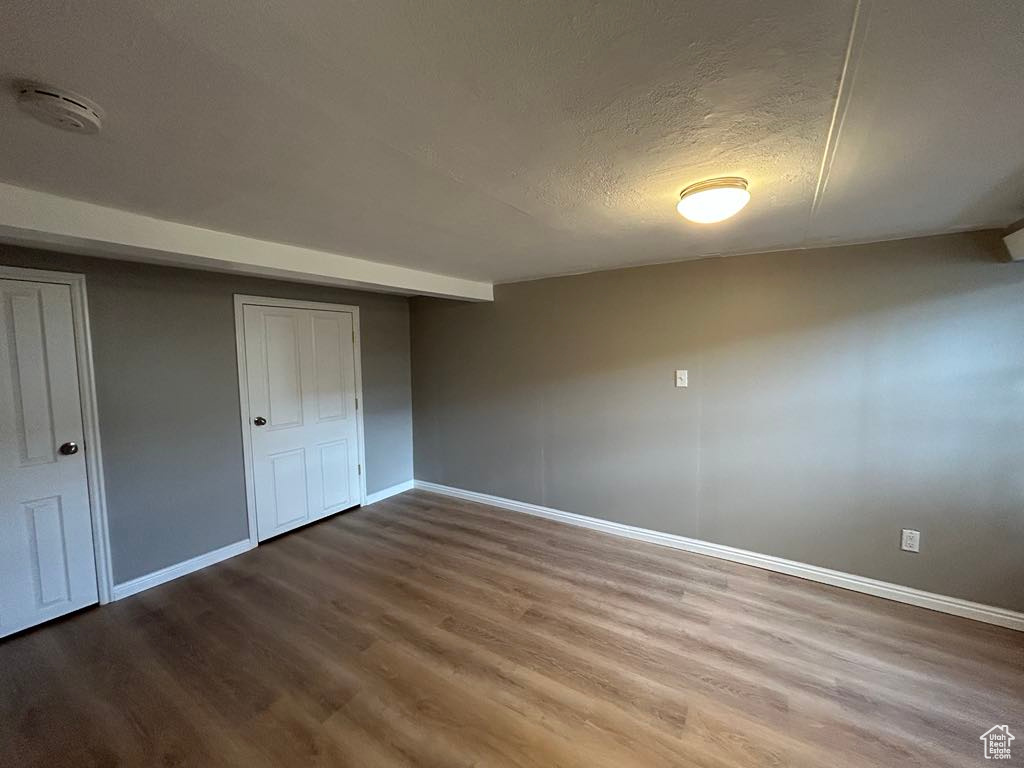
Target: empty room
{"x": 581, "y": 383}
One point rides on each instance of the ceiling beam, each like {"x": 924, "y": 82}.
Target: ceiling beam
{"x": 39, "y": 219}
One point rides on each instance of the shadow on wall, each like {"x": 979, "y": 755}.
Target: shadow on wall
{"x": 836, "y": 396}
{"x": 1007, "y": 194}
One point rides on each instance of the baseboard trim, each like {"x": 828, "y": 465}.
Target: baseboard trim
{"x": 171, "y": 572}
{"x": 394, "y": 490}
{"x": 955, "y": 606}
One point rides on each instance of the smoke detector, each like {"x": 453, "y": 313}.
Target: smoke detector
{"x": 59, "y": 107}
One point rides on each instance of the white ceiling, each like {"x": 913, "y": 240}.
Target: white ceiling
{"x": 507, "y": 140}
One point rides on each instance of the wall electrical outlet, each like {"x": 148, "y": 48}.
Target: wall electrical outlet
{"x": 682, "y": 378}
{"x": 910, "y": 541}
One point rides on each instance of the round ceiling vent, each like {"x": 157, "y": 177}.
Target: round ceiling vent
{"x": 58, "y": 107}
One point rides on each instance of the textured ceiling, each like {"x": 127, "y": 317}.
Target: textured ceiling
{"x": 503, "y": 141}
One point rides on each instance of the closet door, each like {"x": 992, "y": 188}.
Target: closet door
{"x": 300, "y": 369}
{"x": 47, "y": 561}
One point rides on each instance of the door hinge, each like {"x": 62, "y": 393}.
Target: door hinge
{"x": 357, "y": 403}
{"x": 353, "y": 335}
{"x": 359, "y": 467}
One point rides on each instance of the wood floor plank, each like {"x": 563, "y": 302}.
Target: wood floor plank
{"x": 428, "y": 631}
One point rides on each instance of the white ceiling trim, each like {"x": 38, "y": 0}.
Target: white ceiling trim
{"x": 29, "y": 217}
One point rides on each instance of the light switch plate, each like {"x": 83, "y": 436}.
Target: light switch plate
{"x": 682, "y": 378}
{"x": 910, "y": 540}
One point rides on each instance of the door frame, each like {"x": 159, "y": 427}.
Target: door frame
{"x": 241, "y": 301}
{"x": 90, "y": 415}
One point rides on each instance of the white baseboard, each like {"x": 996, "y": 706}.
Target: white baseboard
{"x": 951, "y": 605}
{"x": 394, "y": 490}
{"x": 172, "y": 572}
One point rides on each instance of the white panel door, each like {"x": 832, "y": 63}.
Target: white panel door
{"x": 300, "y": 370}
{"x": 47, "y": 562}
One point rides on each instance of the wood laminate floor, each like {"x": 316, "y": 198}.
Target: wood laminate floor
{"x": 424, "y": 631}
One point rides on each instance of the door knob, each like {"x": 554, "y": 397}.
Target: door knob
{"x": 69, "y": 449}
{"x": 259, "y": 421}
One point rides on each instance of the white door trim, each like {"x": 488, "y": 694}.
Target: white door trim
{"x": 241, "y": 300}
{"x": 90, "y": 415}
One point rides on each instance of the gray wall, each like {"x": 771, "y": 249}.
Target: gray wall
{"x": 835, "y": 396}
{"x": 167, "y": 390}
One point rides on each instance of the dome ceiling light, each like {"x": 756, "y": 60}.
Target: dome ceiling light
{"x": 712, "y": 200}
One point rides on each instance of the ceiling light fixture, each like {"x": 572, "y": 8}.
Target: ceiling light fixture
{"x": 713, "y": 199}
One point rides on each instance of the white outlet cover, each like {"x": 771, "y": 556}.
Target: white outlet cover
{"x": 910, "y": 540}
{"x": 682, "y": 378}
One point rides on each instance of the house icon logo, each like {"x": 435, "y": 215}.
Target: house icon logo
{"x": 997, "y": 742}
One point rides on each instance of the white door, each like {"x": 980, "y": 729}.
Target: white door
{"x": 301, "y": 379}
{"x": 47, "y": 562}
